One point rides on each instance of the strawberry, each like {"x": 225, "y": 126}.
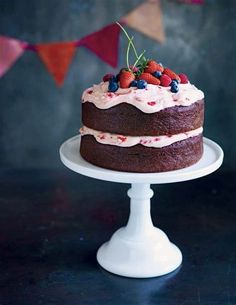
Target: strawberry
{"x": 171, "y": 74}
{"x": 126, "y": 77}
{"x": 153, "y": 66}
{"x": 165, "y": 80}
{"x": 183, "y": 78}
{"x": 149, "y": 78}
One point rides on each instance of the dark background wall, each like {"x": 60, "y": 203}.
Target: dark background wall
{"x": 36, "y": 116}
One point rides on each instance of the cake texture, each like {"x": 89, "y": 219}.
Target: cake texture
{"x": 145, "y": 119}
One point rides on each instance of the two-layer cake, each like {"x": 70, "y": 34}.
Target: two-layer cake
{"x": 142, "y": 130}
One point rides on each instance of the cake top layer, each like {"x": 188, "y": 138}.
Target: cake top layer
{"x": 149, "y": 100}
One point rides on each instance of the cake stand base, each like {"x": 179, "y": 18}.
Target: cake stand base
{"x": 140, "y": 250}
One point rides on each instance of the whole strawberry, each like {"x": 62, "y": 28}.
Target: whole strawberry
{"x": 171, "y": 74}
{"x": 125, "y": 78}
{"x": 149, "y": 78}
{"x": 153, "y": 66}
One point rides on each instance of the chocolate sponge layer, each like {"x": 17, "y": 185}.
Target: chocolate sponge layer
{"x": 142, "y": 159}
{"x": 130, "y": 121}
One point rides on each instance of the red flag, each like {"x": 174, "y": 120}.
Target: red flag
{"x": 57, "y": 58}
{"x": 104, "y": 43}
{"x": 10, "y": 50}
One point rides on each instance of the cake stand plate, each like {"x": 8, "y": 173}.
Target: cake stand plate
{"x": 139, "y": 249}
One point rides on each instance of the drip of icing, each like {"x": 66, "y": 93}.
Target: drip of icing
{"x": 127, "y": 141}
{"x": 153, "y": 99}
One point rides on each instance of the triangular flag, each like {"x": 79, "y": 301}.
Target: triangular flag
{"x": 104, "y": 43}
{"x": 57, "y": 58}
{"x": 10, "y": 50}
{"x": 147, "y": 19}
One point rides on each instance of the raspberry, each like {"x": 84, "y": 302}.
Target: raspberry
{"x": 183, "y": 78}
{"x": 107, "y": 77}
{"x": 165, "y": 80}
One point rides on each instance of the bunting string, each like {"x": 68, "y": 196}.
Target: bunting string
{"x": 57, "y": 57}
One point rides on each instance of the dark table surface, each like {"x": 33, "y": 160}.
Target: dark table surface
{"x": 52, "y": 223}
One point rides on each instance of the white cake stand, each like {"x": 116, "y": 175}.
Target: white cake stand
{"x": 140, "y": 250}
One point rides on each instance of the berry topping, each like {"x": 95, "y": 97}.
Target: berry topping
{"x": 142, "y": 84}
{"x": 174, "y": 87}
{"x": 113, "y": 86}
{"x": 157, "y": 74}
{"x": 165, "y": 80}
{"x": 122, "y": 138}
{"x": 171, "y": 74}
{"x": 151, "y": 103}
{"x": 126, "y": 77}
{"x": 142, "y": 72}
{"x": 153, "y": 66}
{"x": 107, "y": 77}
{"x": 150, "y": 79}
{"x": 183, "y": 78}
{"x": 133, "y": 83}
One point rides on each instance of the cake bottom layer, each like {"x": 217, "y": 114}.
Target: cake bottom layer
{"x": 142, "y": 159}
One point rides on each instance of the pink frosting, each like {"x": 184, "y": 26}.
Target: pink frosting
{"x": 152, "y": 99}
{"x": 127, "y": 141}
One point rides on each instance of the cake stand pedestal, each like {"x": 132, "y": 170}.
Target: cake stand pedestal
{"x": 139, "y": 249}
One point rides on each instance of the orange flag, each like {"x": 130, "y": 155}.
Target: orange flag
{"x": 57, "y": 58}
{"x": 147, "y": 19}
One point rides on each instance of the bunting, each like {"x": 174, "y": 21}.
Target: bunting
{"x": 147, "y": 19}
{"x": 10, "y": 50}
{"x": 104, "y": 43}
{"x": 57, "y": 57}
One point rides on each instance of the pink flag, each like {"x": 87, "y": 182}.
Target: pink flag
{"x": 104, "y": 43}
{"x": 10, "y": 50}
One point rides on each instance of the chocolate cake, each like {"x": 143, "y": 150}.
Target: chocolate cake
{"x": 136, "y": 130}
{"x": 147, "y": 118}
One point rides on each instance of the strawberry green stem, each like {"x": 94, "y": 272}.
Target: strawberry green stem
{"x": 130, "y": 40}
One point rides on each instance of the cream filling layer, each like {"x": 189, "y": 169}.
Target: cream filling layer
{"x": 152, "y": 99}
{"x": 128, "y": 141}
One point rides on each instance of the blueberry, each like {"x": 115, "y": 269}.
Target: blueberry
{"x": 133, "y": 83}
{"x": 157, "y": 74}
{"x": 174, "y": 87}
{"x": 113, "y": 79}
{"x": 174, "y": 82}
{"x": 113, "y": 86}
{"x": 142, "y": 84}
